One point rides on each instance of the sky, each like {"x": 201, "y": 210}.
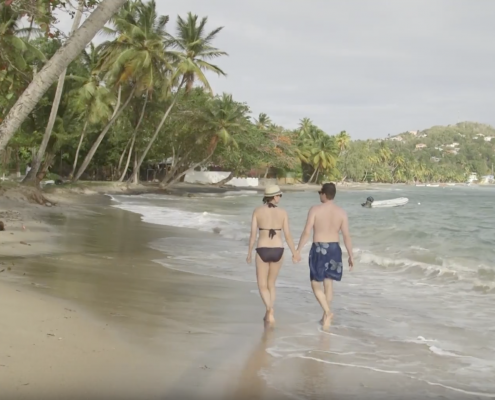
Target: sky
{"x": 371, "y": 68}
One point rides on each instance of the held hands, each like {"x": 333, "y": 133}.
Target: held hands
{"x": 296, "y": 258}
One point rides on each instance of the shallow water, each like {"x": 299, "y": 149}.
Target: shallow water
{"x": 419, "y": 303}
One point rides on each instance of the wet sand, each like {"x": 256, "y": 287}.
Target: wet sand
{"x": 86, "y": 313}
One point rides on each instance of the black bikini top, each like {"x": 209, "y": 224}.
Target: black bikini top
{"x": 272, "y": 232}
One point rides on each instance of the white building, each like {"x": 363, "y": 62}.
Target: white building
{"x": 473, "y": 177}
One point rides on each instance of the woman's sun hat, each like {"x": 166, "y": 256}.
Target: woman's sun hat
{"x": 272, "y": 191}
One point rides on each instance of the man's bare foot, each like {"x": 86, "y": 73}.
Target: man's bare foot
{"x": 326, "y": 320}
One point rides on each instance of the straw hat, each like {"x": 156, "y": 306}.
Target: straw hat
{"x": 272, "y": 191}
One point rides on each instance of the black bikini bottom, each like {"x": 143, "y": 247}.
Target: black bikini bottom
{"x": 270, "y": 254}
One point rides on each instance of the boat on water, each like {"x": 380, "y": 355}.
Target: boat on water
{"x": 432, "y": 185}
{"x": 398, "y": 202}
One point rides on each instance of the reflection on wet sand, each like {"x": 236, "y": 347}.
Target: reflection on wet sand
{"x": 251, "y": 384}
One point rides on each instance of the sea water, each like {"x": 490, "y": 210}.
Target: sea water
{"x": 420, "y": 302}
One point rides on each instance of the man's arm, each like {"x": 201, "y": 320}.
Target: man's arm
{"x": 310, "y": 221}
{"x": 288, "y": 235}
{"x": 344, "y": 228}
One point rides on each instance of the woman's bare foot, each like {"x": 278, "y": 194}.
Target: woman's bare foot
{"x": 326, "y": 321}
{"x": 269, "y": 316}
{"x": 323, "y": 317}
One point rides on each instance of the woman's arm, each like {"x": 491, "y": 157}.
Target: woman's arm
{"x": 288, "y": 236}
{"x": 252, "y": 237}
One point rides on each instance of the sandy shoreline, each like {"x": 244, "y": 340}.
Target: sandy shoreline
{"x": 85, "y": 313}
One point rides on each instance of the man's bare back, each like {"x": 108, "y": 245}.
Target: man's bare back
{"x": 326, "y": 221}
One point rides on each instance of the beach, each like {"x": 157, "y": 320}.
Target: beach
{"x": 117, "y": 297}
{"x": 79, "y": 301}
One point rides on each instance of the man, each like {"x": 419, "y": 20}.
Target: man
{"x": 326, "y": 220}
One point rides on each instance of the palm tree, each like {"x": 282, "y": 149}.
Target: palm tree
{"x": 324, "y": 154}
{"x": 224, "y": 119}
{"x": 316, "y": 149}
{"x": 343, "y": 140}
{"x": 42, "y": 81}
{"x": 15, "y": 54}
{"x": 305, "y": 125}
{"x": 190, "y": 62}
{"x": 263, "y": 121}
{"x": 92, "y": 101}
{"x": 384, "y": 153}
{"x": 136, "y": 58}
{"x": 32, "y": 176}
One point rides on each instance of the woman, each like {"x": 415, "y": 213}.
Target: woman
{"x": 270, "y": 221}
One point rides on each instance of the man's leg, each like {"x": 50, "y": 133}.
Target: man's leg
{"x": 262, "y": 270}
{"x": 328, "y": 285}
{"x": 272, "y": 277}
{"x": 322, "y": 299}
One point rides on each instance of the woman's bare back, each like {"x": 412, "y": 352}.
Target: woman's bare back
{"x": 270, "y": 220}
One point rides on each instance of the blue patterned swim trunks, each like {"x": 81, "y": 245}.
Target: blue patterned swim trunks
{"x": 325, "y": 262}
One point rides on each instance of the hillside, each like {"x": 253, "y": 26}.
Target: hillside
{"x": 440, "y": 153}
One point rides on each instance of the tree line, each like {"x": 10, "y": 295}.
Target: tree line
{"x": 141, "y": 101}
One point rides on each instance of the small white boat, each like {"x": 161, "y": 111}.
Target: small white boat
{"x": 398, "y": 202}
{"x": 432, "y": 185}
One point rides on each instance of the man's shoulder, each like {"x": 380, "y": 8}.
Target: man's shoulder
{"x": 314, "y": 208}
{"x": 340, "y": 211}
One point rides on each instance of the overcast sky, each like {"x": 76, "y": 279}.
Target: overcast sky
{"x": 368, "y": 67}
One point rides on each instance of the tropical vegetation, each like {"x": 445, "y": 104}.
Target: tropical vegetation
{"x": 140, "y": 107}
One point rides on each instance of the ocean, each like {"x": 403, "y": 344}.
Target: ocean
{"x": 419, "y": 304}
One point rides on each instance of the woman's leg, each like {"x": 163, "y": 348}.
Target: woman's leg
{"x": 262, "y": 269}
{"x": 272, "y": 278}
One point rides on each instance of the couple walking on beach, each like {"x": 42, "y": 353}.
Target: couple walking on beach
{"x": 326, "y": 221}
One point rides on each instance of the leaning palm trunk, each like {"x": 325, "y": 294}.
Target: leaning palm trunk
{"x": 124, "y": 171}
{"x": 76, "y": 157}
{"x": 225, "y": 180}
{"x": 157, "y": 131}
{"x": 93, "y": 149}
{"x": 179, "y": 165}
{"x": 121, "y": 159}
{"x": 317, "y": 175}
{"x": 53, "y": 68}
{"x": 177, "y": 178}
{"x": 135, "y": 172}
{"x": 31, "y": 176}
{"x": 119, "y": 97}
{"x": 312, "y": 176}
{"x": 231, "y": 175}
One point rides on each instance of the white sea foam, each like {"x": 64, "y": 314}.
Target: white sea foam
{"x": 202, "y": 221}
{"x": 406, "y": 281}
